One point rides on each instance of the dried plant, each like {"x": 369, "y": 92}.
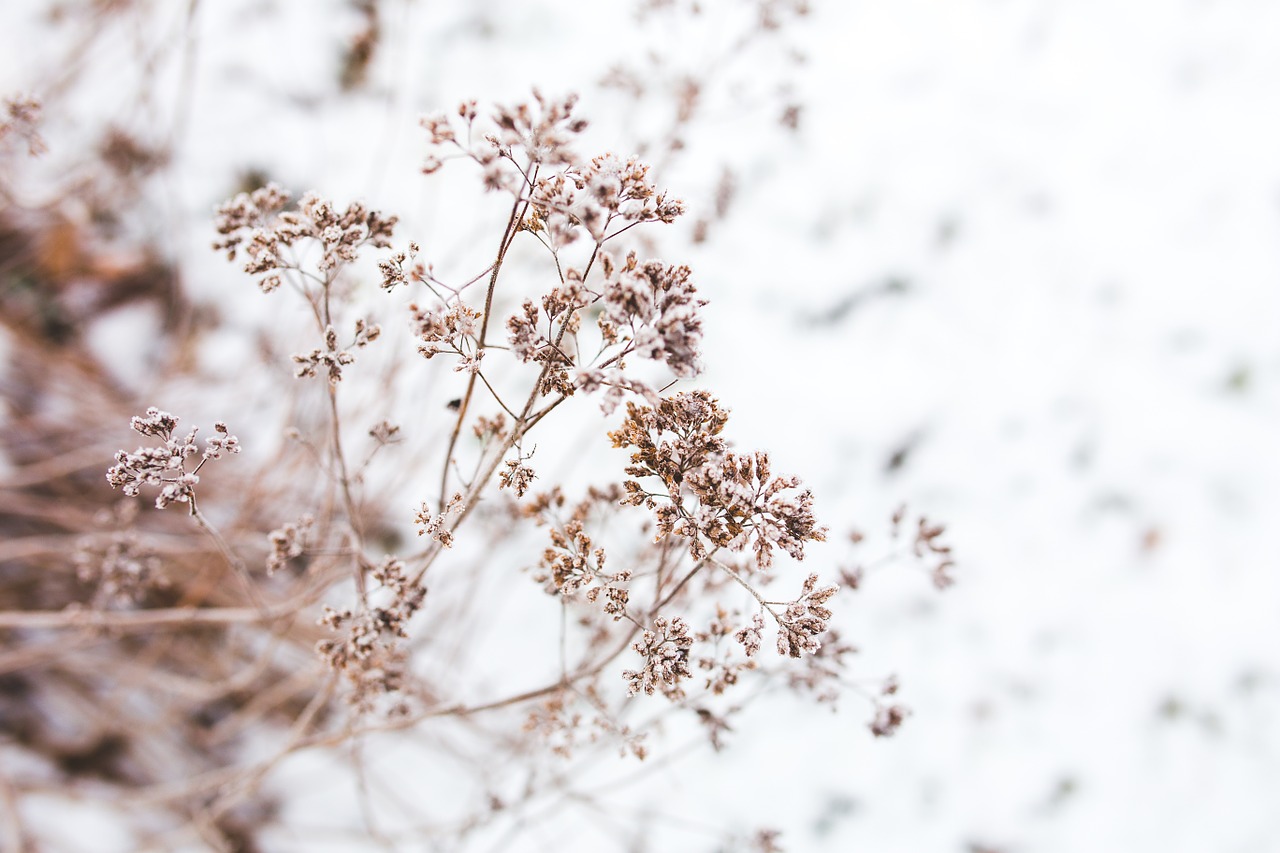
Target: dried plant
{"x": 292, "y": 609}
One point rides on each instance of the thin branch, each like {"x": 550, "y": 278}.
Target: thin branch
{"x": 132, "y": 620}
{"x": 236, "y": 564}
{"x": 507, "y": 233}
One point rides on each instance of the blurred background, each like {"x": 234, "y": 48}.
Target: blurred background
{"x": 1015, "y": 264}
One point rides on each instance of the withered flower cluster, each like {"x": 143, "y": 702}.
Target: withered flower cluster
{"x": 573, "y": 563}
{"x": 653, "y": 307}
{"x": 259, "y": 224}
{"x": 287, "y": 542}
{"x": 367, "y": 651}
{"x": 124, "y": 568}
{"x": 708, "y": 494}
{"x": 166, "y": 465}
{"x": 688, "y": 593}
{"x": 805, "y": 619}
{"x": 21, "y": 118}
{"x": 665, "y": 650}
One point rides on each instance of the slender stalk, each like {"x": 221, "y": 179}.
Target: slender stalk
{"x": 508, "y": 232}
{"x": 144, "y": 620}
{"x": 236, "y": 564}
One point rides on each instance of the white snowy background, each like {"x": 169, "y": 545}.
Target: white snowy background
{"x": 1032, "y": 247}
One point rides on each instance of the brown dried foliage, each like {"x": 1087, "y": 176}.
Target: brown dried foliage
{"x": 284, "y": 603}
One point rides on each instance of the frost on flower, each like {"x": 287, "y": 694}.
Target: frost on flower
{"x": 665, "y": 650}
{"x": 165, "y": 466}
{"x": 366, "y": 650}
{"x": 655, "y": 306}
{"x": 435, "y": 525}
{"x": 805, "y": 619}
{"x": 259, "y": 225}
{"x": 712, "y": 495}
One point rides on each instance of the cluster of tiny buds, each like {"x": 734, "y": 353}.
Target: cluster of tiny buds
{"x": 287, "y": 542}
{"x": 165, "y": 466}
{"x": 21, "y": 117}
{"x": 594, "y": 197}
{"x": 658, "y": 306}
{"x": 647, "y": 309}
{"x": 750, "y": 636}
{"x": 333, "y": 358}
{"x": 723, "y": 667}
{"x": 367, "y": 652}
{"x": 125, "y": 570}
{"x": 435, "y": 525}
{"x": 453, "y": 330}
{"x": 567, "y": 198}
{"x": 805, "y": 619}
{"x": 258, "y": 223}
{"x": 574, "y": 563}
{"x": 665, "y": 649}
{"x": 709, "y": 494}
{"x": 393, "y": 269}
{"x": 888, "y": 719}
{"x": 927, "y": 544}
{"x": 516, "y": 475}
{"x": 544, "y": 132}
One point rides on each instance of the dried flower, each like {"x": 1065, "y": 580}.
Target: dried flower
{"x": 433, "y": 525}
{"x": 385, "y": 432}
{"x": 124, "y": 571}
{"x": 331, "y": 359}
{"x": 165, "y": 466}
{"x": 750, "y": 636}
{"x": 489, "y": 429}
{"x": 665, "y": 650}
{"x": 652, "y": 308}
{"x": 709, "y": 493}
{"x": 573, "y": 563}
{"x": 805, "y": 619}
{"x": 888, "y": 720}
{"x": 21, "y": 117}
{"x": 517, "y": 476}
{"x": 258, "y": 223}
{"x": 453, "y": 330}
{"x": 368, "y": 653}
{"x": 287, "y": 542}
